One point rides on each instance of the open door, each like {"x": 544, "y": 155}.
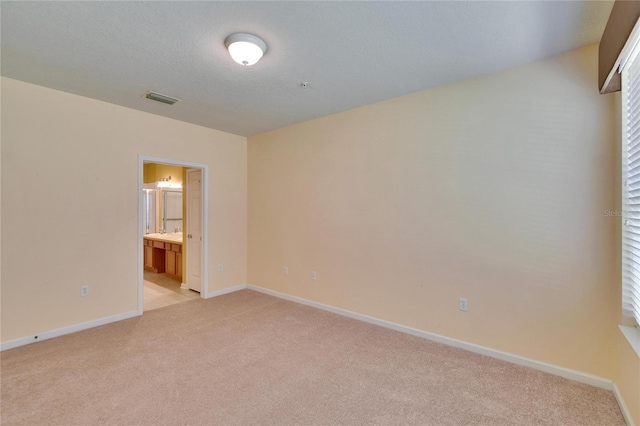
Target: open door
{"x": 194, "y": 229}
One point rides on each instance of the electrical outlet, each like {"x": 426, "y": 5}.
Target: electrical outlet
{"x": 84, "y": 290}
{"x": 286, "y": 270}
{"x": 464, "y": 304}
{"x": 220, "y": 267}
{"x": 313, "y": 275}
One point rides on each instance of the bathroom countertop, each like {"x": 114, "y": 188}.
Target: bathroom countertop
{"x": 174, "y": 237}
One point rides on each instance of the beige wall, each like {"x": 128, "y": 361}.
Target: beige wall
{"x": 70, "y": 208}
{"x": 492, "y": 189}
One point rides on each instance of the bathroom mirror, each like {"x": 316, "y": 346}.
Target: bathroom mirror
{"x": 162, "y": 198}
{"x": 162, "y": 210}
{"x": 150, "y": 211}
{"x": 171, "y": 211}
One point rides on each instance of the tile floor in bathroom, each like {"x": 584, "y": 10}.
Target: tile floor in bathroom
{"x": 161, "y": 291}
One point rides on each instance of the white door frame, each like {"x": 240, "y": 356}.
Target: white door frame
{"x": 205, "y": 222}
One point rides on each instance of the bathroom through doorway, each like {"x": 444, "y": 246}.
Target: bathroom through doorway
{"x": 172, "y": 221}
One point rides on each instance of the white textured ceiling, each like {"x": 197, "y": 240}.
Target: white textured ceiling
{"x": 350, "y": 53}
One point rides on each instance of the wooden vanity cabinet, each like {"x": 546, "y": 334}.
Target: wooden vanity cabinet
{"x": 173, "y": 261}
{"x": 154, "y": 256}
{"x": 148, "y": 256}
{"x": 163, "y": 257}
{"x": 179, "y": 265}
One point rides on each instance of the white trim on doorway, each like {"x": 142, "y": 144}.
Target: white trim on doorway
{"x": 205, "y": 221}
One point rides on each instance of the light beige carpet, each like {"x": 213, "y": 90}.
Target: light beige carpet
{"x": 247, "y": 358}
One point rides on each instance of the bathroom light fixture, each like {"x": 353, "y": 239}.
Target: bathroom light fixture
{"x": 245, "y": 49}
{"x": 166, "y": 183}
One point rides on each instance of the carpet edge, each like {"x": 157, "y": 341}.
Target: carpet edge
{"x": 556, "y": 370}
{"x": 21, "y": 341}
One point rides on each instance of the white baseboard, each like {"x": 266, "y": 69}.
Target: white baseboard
{"x": 95, "y": 323}
{"x": 226, "y": 290}
{"x": 183, "y": 286}
{"x": 504, "y": 356}
{"x": 66, "y": 330}
{"x": 623, "y": 407}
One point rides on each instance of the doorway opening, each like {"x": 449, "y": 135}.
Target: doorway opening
{"x": 172, "y": 222}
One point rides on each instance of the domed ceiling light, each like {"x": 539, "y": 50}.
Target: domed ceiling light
{"x": 245, "y": 49}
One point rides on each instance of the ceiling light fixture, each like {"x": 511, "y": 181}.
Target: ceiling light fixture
{"x": 245, "y": 49}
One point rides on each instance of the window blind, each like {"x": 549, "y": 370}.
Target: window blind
{"x": 631, "y": 187}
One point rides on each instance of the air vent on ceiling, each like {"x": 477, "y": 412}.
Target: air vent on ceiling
{"x": 161, "y": 98}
